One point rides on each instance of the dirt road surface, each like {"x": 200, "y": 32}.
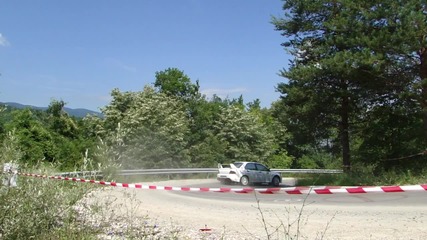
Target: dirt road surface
{"x": 291, "y": 217}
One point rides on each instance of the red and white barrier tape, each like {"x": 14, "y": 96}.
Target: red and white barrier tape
{"x": 288, "y": 190}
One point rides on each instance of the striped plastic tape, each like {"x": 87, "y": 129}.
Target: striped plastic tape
{"x": 286, "y": 190}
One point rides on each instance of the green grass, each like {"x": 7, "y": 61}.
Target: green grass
{"x": 363, "y": 179}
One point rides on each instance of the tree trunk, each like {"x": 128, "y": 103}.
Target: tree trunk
{"x": 423, "y": 76}
{"x": 344, "y": 131}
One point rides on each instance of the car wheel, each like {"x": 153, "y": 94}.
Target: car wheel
{"x": 244, "y": 181}
{"x": 276, "y": 181}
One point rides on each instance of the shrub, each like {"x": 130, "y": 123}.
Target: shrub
{"x": 38, "y": 207}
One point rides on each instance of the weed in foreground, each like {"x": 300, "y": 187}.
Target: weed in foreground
{"x": 291, "y": 227}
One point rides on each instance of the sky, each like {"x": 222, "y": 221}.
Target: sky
{"x": 78, "y": 51}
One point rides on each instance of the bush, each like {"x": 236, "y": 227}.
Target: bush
{"x": 39, "y": 207}
{"x": 319, "y": 160}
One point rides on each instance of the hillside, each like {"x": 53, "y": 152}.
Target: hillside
{"x": 75, "y": 112}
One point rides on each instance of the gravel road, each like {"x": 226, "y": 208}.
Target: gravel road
{"x": 299, "y": 218}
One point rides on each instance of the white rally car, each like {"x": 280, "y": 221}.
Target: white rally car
{"x": 247, "y": 173}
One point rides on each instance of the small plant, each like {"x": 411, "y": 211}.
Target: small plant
{"x": 291, "y": 227}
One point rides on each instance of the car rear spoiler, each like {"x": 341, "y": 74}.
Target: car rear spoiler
{"x": 221, "y": 165}
{"x": 229, "y": 165}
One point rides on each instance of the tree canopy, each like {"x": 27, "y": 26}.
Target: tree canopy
{"x": 351, "y": 59}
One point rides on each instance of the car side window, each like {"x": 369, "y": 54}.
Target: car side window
{"x": 250, "y": 166}
{"x": 261, "y": 167}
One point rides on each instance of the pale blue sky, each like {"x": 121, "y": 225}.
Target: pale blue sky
{"x": 79, "y": 50}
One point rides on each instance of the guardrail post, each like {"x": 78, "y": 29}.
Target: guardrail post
{"x": 10, "y": 170}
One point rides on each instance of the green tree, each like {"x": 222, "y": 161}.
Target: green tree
{"x": 205, "y": 147}
{"x": 115, "y": 111}
{"x": 10, "y": 150}
{"x": 49, "y": 136}
{"x": 4, "y": 118}
{"x": 60, "y": 121}
{"x": 340, "y": 70}
{"x": 402, "y": 25}
{"x": 244, "y": 135}
{"x": 152, "y": 128}
{"x": 280, "y": 157}
{"x": 36, "y": 142}
{"x": 317, "y": 92}
{"x": 174, "y": 82}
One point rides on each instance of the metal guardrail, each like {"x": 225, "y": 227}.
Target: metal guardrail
{"x": 191, "y": 170}
{"x": 166, "y": 171}
{"x": 91, "y": 173}
{"x": 317, "y": 171}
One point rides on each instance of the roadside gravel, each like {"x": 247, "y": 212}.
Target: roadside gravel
{"x": 157, "y": 214}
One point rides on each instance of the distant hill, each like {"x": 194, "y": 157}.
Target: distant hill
{"x": 77, "y": 112}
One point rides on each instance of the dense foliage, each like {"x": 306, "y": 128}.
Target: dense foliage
{"x": 49, "y": 136}
{"x": 356, "y": 87}
{"x": 162, "y": 127}
{"x": 152, "y": 128}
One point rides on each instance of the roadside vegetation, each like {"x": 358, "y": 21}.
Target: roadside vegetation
{"x": 353, "y": 98}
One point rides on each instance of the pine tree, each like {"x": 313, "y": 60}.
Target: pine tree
{"x": 349, "y": 56}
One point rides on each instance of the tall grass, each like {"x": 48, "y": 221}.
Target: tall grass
{"x": 365, "y": 177}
